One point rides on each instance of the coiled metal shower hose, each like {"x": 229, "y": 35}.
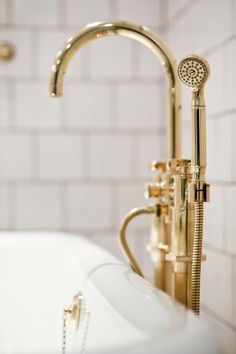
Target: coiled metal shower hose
{"x": 197, "y": 256}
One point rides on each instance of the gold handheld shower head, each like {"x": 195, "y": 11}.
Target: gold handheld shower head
{"x": 193, "y": 71}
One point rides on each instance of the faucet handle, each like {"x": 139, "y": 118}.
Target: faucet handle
{"x": 157, "y": 165}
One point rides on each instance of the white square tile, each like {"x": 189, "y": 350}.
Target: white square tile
{"x": 229, "y": 218}
{"x": 89, "y": 206}
{"x": 219, "y": 148}
{"x": 85, "y": 11}
{"x": 217, "y": 284}
{"x": 4, "y": 105}
{"x": 50, "y": 43}
{"x": 229, "y": 73}
{"x": 3, "y": 11}
{"x": 195, "y": 24}
{"x": 15, "y": 156}
{"x": 38, "y": 207}
{"x": 111, "y": 57}
{"x": 60, "y": 156}
{"x": 150, "y": 65}
{"x": 4, "y": 207}
{"x": 224, "y": 334}
{"x": 234, "y": 295}
{"x": 34, "y": 12}
{"x": 179, "y": 41}
{"x": 232, "y": 139}
{"x": 88, "y": 105}
{"x": 186, "y": 141}
{"x": 150, "y": 148}
{"x": 143, "y": 12}
{"x": 175, "y": 6}
{"x": 34, "y": 107}
{"x": 215, "y": 90}
{"x": 110, "y": 156}
{"x": 20, "y": 64}
{"x": 140, "y": 106}
{"x": 214, "y": 218}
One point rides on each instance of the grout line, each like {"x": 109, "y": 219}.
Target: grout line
{"x": 11, "y": 96}
{"x": 219, "y": 251}
{"x": 61, "y": 13}
{"x": 86, "y": 79}
{"x": 76, "y": 131}
{"x": 43, "y": 181}
{"x": 178, "y": 15}
{"x": 34, "y": 53}
{"x": 113, "y": 102}
{"x": 9, "y": 14}
{"x": 114, "y": 203}
{"x": 12, "y": 196}
{"x": 113, "y": 9}
{"x": 86, "y": 155}
{"x": 220, "y": 45}
{"x": 217, "y": 317}
{"x": 221, "y": 114}
{"x": 35, "y": 154}
{"x": 64, "y": 220}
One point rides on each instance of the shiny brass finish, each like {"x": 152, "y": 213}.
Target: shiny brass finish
{"x": 146, "y": 37}
{"x": 75, "y": 310}
{"x": 179, "y": 192}
{"x": 123, "y": 240}
{"x": 157, "y": 165}
{"x": 194, "y": 71}
{"x": 6, "y": 51}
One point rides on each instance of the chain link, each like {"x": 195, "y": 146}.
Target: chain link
{"x": 85, "y": 334}
{"x": 64, "y": 331}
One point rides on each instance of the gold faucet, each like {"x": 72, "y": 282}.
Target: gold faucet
{"x": 180, "y": 189}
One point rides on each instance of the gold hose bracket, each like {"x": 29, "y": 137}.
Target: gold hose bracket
{"x": 123, "y": 239}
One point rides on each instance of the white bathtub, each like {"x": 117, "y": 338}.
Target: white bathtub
{"x": 40, "y": 273}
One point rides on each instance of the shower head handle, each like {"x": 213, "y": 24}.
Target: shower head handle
{"x": 193, "y": 71}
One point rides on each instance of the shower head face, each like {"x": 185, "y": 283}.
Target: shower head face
{"x": 193, "y": 71}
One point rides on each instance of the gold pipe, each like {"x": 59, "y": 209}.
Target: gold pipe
{"x": 146, "y": 37}
{"x": 122, "y": 236}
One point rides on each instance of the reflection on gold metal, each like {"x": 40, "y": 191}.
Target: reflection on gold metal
{"x": 194, "y": 71}
{"x": 122, "y": 236}
{"x": 6, "y": 51}
{"x": 146, "y": 37}
{"x": 179, "y": 190}
{"x": 75, "y": 310}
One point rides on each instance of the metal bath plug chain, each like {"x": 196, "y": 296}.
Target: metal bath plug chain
{"x": 74, "y": 313}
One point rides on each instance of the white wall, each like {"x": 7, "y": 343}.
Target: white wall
{"x": 87, "y": 152}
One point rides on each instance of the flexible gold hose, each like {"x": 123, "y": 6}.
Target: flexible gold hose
{"x": 197, "y": 256}
{"x": 122, "y": 236}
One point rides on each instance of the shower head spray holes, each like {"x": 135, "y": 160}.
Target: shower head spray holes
{"x": 193, "y": 71}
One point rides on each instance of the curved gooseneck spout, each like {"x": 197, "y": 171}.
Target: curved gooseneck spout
{"x": 148, "y": 38}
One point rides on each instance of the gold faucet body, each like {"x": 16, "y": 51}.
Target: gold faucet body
{"x": 179, "y": 188}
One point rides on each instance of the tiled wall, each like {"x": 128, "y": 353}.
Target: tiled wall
{"x": 79, "y": 163}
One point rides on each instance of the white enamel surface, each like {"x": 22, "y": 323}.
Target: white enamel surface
{"x": 40, "y": 273}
